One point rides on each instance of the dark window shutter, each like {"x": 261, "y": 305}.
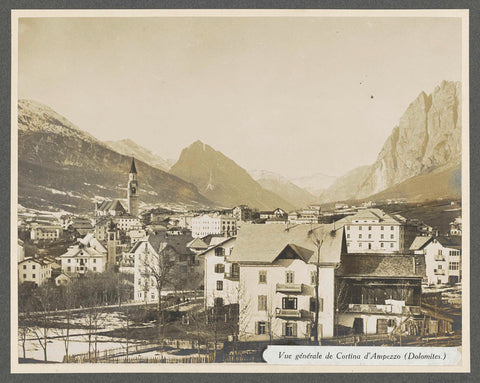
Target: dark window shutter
{"x": 320, "y": 304}
{"x": 294, "y": 329}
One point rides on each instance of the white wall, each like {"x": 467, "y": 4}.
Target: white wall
{"x": 249, "y": 282}
{"x": 229, "y": 294}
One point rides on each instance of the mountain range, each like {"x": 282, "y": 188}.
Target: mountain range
{"x": 130, "y": 148}
{"x": 283, "y": 187}
{"x": 221, "y": 180}
{"x": 60, "y": 166}
{"x": 315, "y": 184}
{"x": 63, "y": 167}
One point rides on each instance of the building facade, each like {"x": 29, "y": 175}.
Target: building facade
{"x": 45, "y": 232}
{"x": 166, "y": 259}
{"x": 220, "y": 276}
{"x": 214, "y": 224}
{"x": 443, "y": 258}
{"x": 242, "y": 213}
{"x": 34, "y": 270}
{"x": 277, "y": 280}
{"x": 379, "y": 293}
{"x": 373, "y": 231}
{"x": 89, "y": 255}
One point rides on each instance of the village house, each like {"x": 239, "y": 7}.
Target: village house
{"x": 456, "y": 226}
{"x": 220, "y": 276}
{"x": 214, "y": 224}
{"x": 373, "y": 231}
{"x": 181, "y": 220}
{"x": 34, "y": 270}
{"x": 45, "y": 232}
{"x": 311, "y": 214}
{"x": 443, "y": 258}
{"x": 242, "y": 213}
{"x": 89, "y": 255}
{"x": 178, "y": 270}
{"x": 377, "y": 293}
{"x": 136, "y": 235}
{"x": 276, "y": 213}
{"x": 277, "y": 279}
{"x": 63, "y": 279}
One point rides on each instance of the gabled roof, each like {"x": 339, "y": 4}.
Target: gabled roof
{"x": 115, "y": 205}
{"x": 160, "y": 241}
{"x": 373, "y": 214}
{"x": 420, "y": 242}
{"x": 213, "y": 239}
{"x": 133, "y": 169}
{"x": 197, "y": 243}
{"x": 262, "y": 244}
{"x": 225, "y": 240}
{"x": 382, "y": 266}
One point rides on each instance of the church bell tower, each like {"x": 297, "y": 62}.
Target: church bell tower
{"x": 132, "y": 190}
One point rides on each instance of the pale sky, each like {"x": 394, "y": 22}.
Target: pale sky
{"x": 289, "y": 95}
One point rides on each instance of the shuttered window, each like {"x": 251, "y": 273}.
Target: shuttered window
{"x": 289, "y": 329}
{"x": 261, "y": 328}
{"x": 262, "y": 303}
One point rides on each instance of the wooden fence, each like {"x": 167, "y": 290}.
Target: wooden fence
{"x": 105, "y": 356}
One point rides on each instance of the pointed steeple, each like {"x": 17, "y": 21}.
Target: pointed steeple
{"x": 133, "y": 169}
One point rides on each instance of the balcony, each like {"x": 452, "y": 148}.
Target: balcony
{"x": 439, "y": 258}
{"x": 365, "y": 308}
{"x": 289, "y": 288}
{"x": 288, "y": 313}
{"x": 439, "y": 272}
{"x": 232, "y": 276}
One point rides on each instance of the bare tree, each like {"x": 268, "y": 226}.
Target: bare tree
{"x": 318, "y": 242}
{"x": 69, "y": 301}
{"x": 25, "y": 306}
{"x": 160, "y": 265}
{"x": 239, "y": 320}
{"x": 46, "y": 297}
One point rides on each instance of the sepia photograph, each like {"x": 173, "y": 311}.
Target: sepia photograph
{"x": 220, "y": 190}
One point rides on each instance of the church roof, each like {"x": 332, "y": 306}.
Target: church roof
{"x": 107, "y": 205}
{"x": 133, "y": 169}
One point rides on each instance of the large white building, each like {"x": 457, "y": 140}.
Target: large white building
{"x": 214, "y": 224}
{"x": 373, "y": 231}
{"x": 278, "y": 276}
{"x": 443, "y": 258}
{"x": 89, "y": 255}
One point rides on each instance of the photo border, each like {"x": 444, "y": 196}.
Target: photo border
{"x": 465, "y": 196}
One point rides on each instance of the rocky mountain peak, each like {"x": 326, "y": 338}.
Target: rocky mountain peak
{"x": 427, "y": 137}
